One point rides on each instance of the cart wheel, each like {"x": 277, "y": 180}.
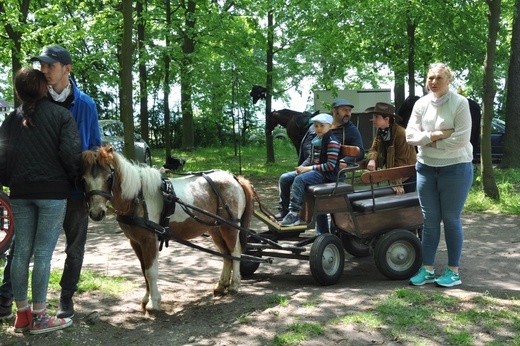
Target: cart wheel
{"x": 6, "y": 223}
{"x": 353, "y": 245}
{"x": 327, "y": 259}
{"x": 249, "y": 268}
{"x": 398, "y": 254}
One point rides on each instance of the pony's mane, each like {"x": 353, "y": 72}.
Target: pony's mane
{"x": 136, "y": 177}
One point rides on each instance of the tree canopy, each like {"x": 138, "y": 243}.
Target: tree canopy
{"x": 201, "y": 58}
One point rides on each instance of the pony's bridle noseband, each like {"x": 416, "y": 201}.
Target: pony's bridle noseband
{"x": 107, "y": 195}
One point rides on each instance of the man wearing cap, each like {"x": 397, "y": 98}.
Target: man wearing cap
{"x": 56, "y": 64}
{"x": 390, "y": 148}
{"x": 345, "y": 132}
{"x": 321, "y": 166}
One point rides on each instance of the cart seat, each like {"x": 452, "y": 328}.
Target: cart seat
{"x": 330, "y": 189}
{"x": 393, "y": 201}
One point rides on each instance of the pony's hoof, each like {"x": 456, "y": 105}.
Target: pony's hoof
{"x": 219, "y": 293}
{"x": 233, "y": 291}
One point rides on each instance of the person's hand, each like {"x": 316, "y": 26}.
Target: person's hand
{"x": 371, "y": 165}
{"x": 399, "y": 190}
{"x": 303, "y": 169}
{"x": 441, "y": 134}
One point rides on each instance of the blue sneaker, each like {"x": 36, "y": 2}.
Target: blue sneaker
{"x": 448, "y": 279}
{"x": 423, "y": 277}
{"x": 291, "y": 219}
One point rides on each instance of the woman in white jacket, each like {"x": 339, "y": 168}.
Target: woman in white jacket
{"x": 440, "y": 127}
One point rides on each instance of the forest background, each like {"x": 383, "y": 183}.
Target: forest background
{"x": 180, "y": 72}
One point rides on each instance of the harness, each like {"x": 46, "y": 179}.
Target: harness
{"x": 170, "y": 200}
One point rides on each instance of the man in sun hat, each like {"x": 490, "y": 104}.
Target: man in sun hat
{"x": 389, "y": 148}
{"x": 56, "y": 64}
{"x": 345, "y": 132}
{"x": 321, "y": 166}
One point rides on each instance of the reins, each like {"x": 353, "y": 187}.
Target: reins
{"x": 162, "y": 230}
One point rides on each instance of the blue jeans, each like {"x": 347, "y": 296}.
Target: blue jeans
{"x": 75, "y": 227}
{"x": 442, "y": 193}
{"x": 37, "y": 226}
{"x": 292, "y": 189}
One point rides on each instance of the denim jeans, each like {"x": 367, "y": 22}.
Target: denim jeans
{"x": 442, "y": 193}
{"x": 75, "y": 227}
{"x": 37, "y": 226}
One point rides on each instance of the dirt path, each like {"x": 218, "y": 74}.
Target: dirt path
{"x": 192, "y": 316}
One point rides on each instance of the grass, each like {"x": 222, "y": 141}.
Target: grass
{"x": 409, "y": 316}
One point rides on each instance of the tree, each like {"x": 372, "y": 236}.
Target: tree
{"x": 127, "y": 48}
{"x": 489, "y": 185}
{"x": 511, "y": 157}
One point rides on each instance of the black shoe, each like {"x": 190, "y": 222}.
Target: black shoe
{"x": 6, "y": 308}
{"x": 281, "y": 214}
{"x": 66, "y": 308}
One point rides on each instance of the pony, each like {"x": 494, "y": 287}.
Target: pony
{"x": 405, "y": 111}
{"x": 296, "y": 124}
{"x": 135, "y": 194}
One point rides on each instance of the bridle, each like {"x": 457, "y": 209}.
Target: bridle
{"x": 107, "y": 195}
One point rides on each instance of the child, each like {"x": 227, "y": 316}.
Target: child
{"x": 321, "y": 166}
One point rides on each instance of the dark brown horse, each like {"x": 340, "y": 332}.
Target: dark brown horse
{"x": 109, "y": 176}
{"x": 296, "y": 124}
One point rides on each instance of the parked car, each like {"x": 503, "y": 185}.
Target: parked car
{"x": 498, "y": 130}
{"x": 112, "y": 134}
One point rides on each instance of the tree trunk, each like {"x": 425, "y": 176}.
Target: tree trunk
{"x": 269, "y": 85}
{"x": 410, "y": 32}
{"x": 143, "y": 80}
{"x": 188, "y": 47}
{"x": 489, "y": 185}
{"x": 511, "y": 157}
{"x": 127, "y": 114}
{"x": 166, "y": 86}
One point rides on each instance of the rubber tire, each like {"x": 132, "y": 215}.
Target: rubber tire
{"x": 249, "y": 268}
{"x": 327, "y": 259}
{"x": 398, "y": 254}
{"x": 6, "y": 223}
{"x": 353, "y": 246}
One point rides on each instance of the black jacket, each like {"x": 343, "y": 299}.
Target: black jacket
{"x": 41, "y": 161}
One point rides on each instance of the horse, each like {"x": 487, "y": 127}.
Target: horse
{"x": 135, "y": 194}
{"x": 296, "y": 124}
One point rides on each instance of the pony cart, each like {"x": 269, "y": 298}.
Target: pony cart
{"x": 152, "y": 209}
{"x": 368, "y": 221}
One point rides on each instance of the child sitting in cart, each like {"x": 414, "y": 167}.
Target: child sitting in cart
{"x": 320, "y": 167}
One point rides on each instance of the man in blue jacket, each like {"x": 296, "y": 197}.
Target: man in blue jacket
{"x": 56, "y": 63}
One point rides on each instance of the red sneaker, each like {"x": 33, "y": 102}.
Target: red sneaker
{"x": 23, "y": 320}
{"x": 44, "y": 323}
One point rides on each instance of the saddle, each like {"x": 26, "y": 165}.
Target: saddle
{"x": 304, "y": 121}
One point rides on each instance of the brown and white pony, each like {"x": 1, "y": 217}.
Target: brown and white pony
{"x": 109, "y": 176}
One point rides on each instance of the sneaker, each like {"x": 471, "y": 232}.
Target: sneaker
{"x": 6, "y": 308}
{"x": 291, "y": 219}
{"x": 44, "y": 323}
{"x": 423, "y": 277}
{"x": 281, "y": 214}
{"x": 65, "y": 308}
{"x": 23, "y": 320}
{"x": 448, "y": 279}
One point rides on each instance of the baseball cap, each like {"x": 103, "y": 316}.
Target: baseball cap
{"x": 322, "y": 118}
{"x": 53, "y": 54}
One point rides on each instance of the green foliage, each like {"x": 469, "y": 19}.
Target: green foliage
{"x": 299, "y": 332}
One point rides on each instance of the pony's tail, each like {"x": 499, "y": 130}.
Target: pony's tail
{"x": 245, "y": 221}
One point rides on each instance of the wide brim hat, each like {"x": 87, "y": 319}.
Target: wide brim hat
{"x": 385, "y": 109}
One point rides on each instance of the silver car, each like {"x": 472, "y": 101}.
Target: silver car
{"x": 112, "y": 133}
